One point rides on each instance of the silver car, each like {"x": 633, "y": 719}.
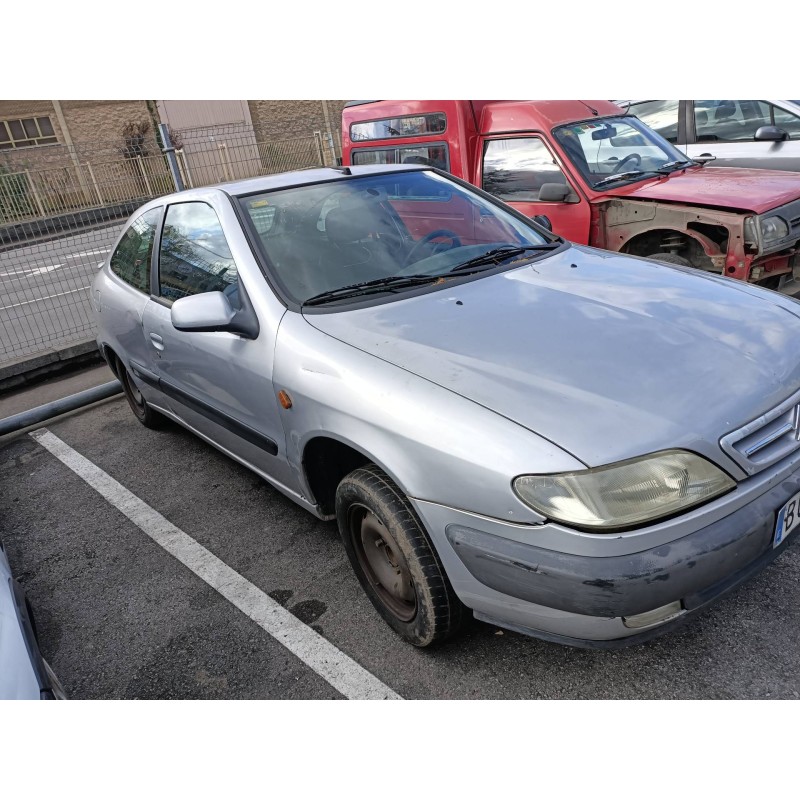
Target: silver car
{"x": 567, "y": 442}
{"x": 729, "y": 133}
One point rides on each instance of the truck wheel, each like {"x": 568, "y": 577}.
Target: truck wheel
{"x": 394, "y": 560}
{"x": 671, "y": 258}
{"x": 149, "y": 417}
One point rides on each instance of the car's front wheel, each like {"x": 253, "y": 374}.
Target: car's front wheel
{"x": 394, "y": 560}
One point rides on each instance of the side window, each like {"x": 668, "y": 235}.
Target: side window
{"x": 131, "y": 260}
{"x": 516, "y": 169}
{"x": 432, "y": 155}
{"x": 729, "y": 120}
{"x": 661, "y": 116}
{"x": 194, "y": 255}
{"x": 787, "y": 121}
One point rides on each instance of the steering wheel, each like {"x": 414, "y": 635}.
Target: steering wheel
{"x": 625, "y": 160}
{"x": 439, "y": 233}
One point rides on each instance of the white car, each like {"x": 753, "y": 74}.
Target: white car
{"x": 736, "y": 133}
{"x": 24, "y": 674}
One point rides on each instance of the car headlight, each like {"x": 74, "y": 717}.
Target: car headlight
{"x": 750, "y": 232}
{"x": 627, "y": 493}
{"x": 773, "y": 229}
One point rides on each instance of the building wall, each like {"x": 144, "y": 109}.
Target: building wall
{"x": 182, "y": 114}
{"x": 94, "y": 125}
{"x": 283, "y": 119}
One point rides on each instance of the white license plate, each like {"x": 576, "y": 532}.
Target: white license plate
{"x": 788, "y": 520}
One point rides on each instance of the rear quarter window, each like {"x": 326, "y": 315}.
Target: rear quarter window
{"x": 130, "y": 260}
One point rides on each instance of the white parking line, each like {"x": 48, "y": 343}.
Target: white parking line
{"x": 339, "y": 670}
{"x": 47, "y": 297}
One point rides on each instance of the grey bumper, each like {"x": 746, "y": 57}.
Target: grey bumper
{"x": 694, "y": 569}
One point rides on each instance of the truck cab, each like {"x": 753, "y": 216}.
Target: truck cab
{"x": 599, "y": 175}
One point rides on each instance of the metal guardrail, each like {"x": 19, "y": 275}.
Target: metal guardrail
{"x": 60, "y": 215}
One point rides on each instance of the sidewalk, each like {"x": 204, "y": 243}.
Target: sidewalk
{"x": 30, "y": 370}
{"x": 26, "y": 398}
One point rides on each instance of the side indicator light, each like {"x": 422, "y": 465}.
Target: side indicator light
{"x": 284, "y": 399}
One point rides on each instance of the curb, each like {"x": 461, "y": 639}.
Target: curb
{"x": 32, "y": 369}
{"x": 20, "y": 234}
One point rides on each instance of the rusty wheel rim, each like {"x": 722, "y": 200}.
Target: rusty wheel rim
{"x": 383, "y": 563}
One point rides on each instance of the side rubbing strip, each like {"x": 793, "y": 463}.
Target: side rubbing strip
{"x": 208, "y": 411}
{"x": 229, "y": 423}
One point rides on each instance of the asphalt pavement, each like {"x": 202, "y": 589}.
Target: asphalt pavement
{"x": 44, "y": 291}
{"x": 120, "y": 617}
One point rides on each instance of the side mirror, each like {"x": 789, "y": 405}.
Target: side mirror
{"x": 554, "y": 192}
{"x": 544, "y": 221}
{"x": 212, "y": 312}
{"x": 769, "y": 133}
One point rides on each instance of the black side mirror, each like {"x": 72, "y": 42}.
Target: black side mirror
{"x": 544, "y": 221}
{"x": 769, "y": 133}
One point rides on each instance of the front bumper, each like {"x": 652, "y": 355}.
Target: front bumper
{"x": 585, "y": 599}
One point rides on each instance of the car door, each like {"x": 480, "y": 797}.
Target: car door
{"x": 726, "y": 130}
{"x": 219, "y": 383}
{"x": 523, "y": 171}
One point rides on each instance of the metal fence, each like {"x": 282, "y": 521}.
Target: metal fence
{"x": 61, "y": 212}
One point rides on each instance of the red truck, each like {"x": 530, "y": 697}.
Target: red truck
{"x": 599, "y": 176}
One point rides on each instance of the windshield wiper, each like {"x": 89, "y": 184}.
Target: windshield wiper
{"x": 369, "y": 287}
{"x": 622, "y": 176}
{"x": 670, "y": 165}
{"x": 494, "y": 257}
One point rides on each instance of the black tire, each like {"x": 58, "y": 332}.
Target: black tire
{"x": 419, "y": 603}
{"x": 148, "y": 416}
{"x": 670, "y": 258}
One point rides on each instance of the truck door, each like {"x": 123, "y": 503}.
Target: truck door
{"x": 524, "y": 172}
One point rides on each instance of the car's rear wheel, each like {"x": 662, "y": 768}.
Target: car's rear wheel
{"x": 394, "y": 560}
{"x": 148, "y": 416}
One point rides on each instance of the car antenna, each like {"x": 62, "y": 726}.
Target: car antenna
{"x": 593, "y": 110}
{"x": 343, "y": 170}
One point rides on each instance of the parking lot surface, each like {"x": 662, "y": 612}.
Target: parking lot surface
{"x": 120, "y": 617}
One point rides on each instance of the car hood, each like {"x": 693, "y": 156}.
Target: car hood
{"x": 607, "y": 356}
{"x": 756, "y": 190}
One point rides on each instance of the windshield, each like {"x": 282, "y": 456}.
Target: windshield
{"x": 384, "y": 233}
{"x": 605, "y": 148}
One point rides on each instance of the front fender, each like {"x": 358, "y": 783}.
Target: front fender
{"x": 435, "y": 444}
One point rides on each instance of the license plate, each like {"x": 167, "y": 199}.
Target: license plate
{"x": 788, "y": 520}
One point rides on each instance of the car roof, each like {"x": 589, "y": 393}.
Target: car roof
{"x": 287, "y": 180}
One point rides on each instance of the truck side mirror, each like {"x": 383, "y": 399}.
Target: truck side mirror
{"x": 554, "y": 193}
{"x": 769, "y": 133}
{"x": 543, "y": 220}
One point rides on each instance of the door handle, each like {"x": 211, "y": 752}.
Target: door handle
{"x": 157, "y": 341}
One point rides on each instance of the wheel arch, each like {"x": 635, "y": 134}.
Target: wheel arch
{"x": 688, "y": 242}
{"x": 326, "y": 459}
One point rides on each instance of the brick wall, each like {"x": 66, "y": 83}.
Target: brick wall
{"x": 283, "y": 119}
{"x": 97, "y": 124}
{"x": 94, "y": 125}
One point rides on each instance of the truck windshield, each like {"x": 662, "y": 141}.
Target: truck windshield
{"x": 618, "y": 149}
